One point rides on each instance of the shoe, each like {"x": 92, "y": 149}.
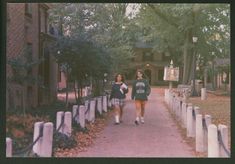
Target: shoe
{"x": 116, "y": 123}
{"x": 136, "y": 122}
{"x": 142, "y": 120}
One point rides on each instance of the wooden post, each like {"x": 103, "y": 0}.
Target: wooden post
{"x": 196, "y": 111}
{"x": 75, "y": 111}
{"x": 8, "y": 147}
{"x": 203, "y": 94}
{"x": 59, "y": 116}
{"x": 92, "y": 111}
{"x": 109, "y": 102}
{"x": 224, "y": 134}
{"x": 170, "y": 84}
{"x": 184, "y": 114}
{"x": 205, "y": 77}
{"x": 86, "y": 108}
{"x": 82, "y": 116}
{"x": 47, "y": 140}
{"x": 67, "y": 129}
{"x": 213, "y": 144}
{"x": 189, "y": 121}
{"x": 105, "y": 104}
{"x": 199, "y": 134}
{"x": 99, "y": 104}
{"x": 38, "y": 144}
{"x": 208, "y": 122}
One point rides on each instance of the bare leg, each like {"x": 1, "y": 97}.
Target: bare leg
{"x": 138, "y": 111}
{"x": 142, "y": 111}
{"x": 117, "y": 113}
{"x": 142, "y": 108}
{"x": 121, "y": 112}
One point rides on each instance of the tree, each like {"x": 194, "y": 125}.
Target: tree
{"x": 171, "y": 27}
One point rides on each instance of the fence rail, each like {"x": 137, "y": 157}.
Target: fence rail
{"x": 197, "y": 126}
{"x": 64, "y": 119}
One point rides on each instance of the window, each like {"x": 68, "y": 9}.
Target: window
{"x": 28, "y": 9}
{"x": 29, "y": 52}
{"x": 147, "y": 56}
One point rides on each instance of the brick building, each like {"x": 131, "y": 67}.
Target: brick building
{"x": 28, "y": 33}
{"x": 152, "y": 63}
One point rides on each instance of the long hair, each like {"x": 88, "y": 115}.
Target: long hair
{"x": 123, "y": 79}
{"x": 141, "y": 71}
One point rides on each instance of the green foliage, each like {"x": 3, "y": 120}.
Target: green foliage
{"x": 22, "y": 67}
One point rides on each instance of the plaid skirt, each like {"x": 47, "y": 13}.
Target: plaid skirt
{"x": 116, "y": 101}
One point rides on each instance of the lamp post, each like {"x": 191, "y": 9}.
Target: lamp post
{"x": 194, "y": 92}
{"x": 171, "y": 74}
{"x": 213, "y": 74}
{"x": 104, "y": 81}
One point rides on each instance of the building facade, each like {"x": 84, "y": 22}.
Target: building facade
{"x": 28, "y": 41}
{"x": 152, "y": 63}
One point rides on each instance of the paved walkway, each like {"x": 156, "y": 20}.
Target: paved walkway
{"x": 157, "y": 137}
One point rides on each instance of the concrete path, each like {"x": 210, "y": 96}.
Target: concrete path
{"x": 157, "y": 137}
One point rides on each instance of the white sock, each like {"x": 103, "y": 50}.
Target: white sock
{"x": 137, "y": 119}
{"x": 142, "y": 119}
{"x": 117, "y": 119}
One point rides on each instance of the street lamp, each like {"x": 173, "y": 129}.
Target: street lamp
{"x": 213, "y": 74}
{"x": 194, "y": 92}
{"x": 104, "y": 81}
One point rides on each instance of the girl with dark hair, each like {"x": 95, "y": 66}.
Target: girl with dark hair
{"x": 140, "y": 92}
{"x": 117, "y": 97}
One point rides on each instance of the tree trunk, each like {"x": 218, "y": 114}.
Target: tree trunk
{"x": 75, "y": 92}
{"x": 67, "y": 88}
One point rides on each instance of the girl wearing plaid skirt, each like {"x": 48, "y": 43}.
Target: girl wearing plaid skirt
{"x": 117, "y": 97}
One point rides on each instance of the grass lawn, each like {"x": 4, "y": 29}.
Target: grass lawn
{"x": 218, "y": 107}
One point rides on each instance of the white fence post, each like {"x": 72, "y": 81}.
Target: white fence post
{"x": 75, "y": 111}
{"x": 86, "y": 109}
{"x": 196, "y": 111}
{"x": 213, "y": 144}
{"x": 207, "y": 122}
{"x": 99, "y": 104}
{"x": 203, "y": 94}
{"x": 109, "y": 102}
{"x": 59, "y": 116}
{"x": 189, "y": 121}
{"x": 47, "y": 140}
{"x": 67, "y": 129}
{"x": 199, "y": 134}
{"x": 8, "y": 147}
{"x": 105, "y": 103}
{"x": 92, "y": 111}
{"x": 37, "y": 146}
{"x": 82, "y": 116}
{"x": 224, "y": 137}
{"x": 184, "y": 114}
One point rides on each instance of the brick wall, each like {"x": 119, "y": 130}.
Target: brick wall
{"x": 22, "y": 29}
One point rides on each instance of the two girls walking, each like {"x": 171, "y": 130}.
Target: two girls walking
{"x": 140, "y": 92}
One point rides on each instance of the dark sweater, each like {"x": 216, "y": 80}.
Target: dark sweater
{"x": 140, "y": 89}
{"x": 116, "y": 93}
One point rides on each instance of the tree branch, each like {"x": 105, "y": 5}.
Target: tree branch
{"x": 162, "y": 16}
